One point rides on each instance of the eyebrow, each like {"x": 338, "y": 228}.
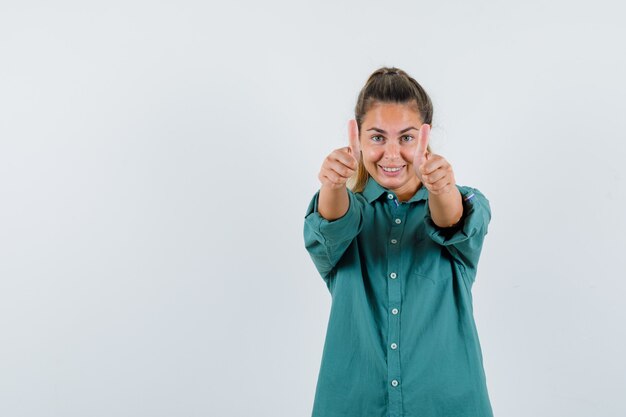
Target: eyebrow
{"x": 382, "y": 131}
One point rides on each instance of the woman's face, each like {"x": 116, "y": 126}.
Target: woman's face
{"x": 388, "y": 138}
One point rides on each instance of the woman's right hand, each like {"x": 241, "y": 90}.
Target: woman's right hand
{"x": 341, "y": 163}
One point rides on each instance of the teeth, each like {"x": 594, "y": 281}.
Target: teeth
{"x": 392, "y": 169}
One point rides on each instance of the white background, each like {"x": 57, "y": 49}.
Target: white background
{"x": 157, "y": 159}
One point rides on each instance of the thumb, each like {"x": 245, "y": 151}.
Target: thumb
{"x": 422, "y": 145}
{"x": 353, "y": 135}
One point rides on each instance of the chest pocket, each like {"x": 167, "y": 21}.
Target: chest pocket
{"x": 431, "y": 262}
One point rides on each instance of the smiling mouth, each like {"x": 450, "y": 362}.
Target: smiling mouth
{"x": 391, "y": 169}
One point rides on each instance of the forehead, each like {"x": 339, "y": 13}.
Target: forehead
{"x": 398, "y": 115}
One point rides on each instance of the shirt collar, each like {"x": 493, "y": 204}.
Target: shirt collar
{"x": 374, "y": 190}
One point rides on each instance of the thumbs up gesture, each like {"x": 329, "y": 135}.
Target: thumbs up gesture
{"x": 342, "y": 163}
{"x": 433, "y": 171}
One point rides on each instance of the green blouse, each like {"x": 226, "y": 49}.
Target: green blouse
{"x": 401, "y": 339}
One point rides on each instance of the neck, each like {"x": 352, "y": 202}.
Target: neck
{"x": 408, "y": 190}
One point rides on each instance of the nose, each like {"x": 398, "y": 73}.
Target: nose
{"x": 392, "y": 150}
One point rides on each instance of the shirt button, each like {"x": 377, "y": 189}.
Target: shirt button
{"x": 390, "y": 196}
{"x": 393, "y": 275}
{"x": 398, "y": 221}
{"x": 394, "y": 383}
{"x": 393, "y": 346}
{"x": 394, "y": 311}
{"x": 394, "y": 241}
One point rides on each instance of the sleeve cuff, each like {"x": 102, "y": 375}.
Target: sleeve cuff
{"x": 476, "y": 217}
{"x": 332, "y": 231}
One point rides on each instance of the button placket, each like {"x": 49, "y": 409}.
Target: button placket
{"x": 394, "y": 287}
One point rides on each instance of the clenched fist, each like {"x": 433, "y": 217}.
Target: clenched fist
{"x": 342, "y": 163}
{"x": 433, "y": 171}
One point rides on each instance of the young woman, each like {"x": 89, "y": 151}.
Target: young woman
{"x": 398, "y": 251}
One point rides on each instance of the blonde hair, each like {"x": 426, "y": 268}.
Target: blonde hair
{"x": 388, "y": 85}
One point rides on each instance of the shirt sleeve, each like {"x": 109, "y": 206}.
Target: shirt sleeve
{"x": 327, "y": 240}
{"x": 464, "y": 240}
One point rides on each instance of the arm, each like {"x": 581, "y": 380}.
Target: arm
{"x": 333, "y": 218}
{"x": 456, "y": 217}
{"x": 446, "y": 209}
{"x": 436, "y": 174}
{"x": 327, "y": 240}
{"x": 333, "y": 203}
{"x": 464, "y": 240}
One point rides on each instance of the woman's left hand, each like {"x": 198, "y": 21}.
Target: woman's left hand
{"x": 432, "y": 170}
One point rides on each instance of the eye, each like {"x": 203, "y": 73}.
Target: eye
{"x": 375, "y": 138}
{"x": 407, "y": 138}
